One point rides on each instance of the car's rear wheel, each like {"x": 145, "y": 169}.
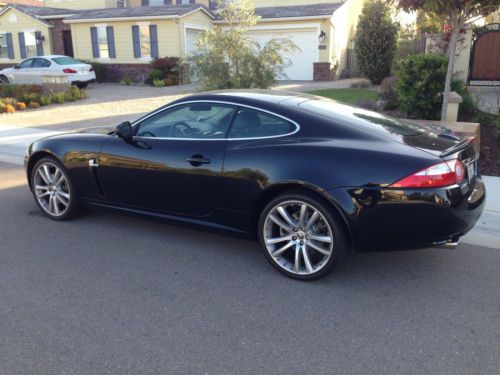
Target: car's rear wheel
{"x": 82, "y": 85}
{"x": 4, "y": 80}
{"x": 53, "y": 191}
{"x": 301, "y": 236}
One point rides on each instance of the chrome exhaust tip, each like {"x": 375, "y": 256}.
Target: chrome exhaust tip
{"x": 450, "y": 244}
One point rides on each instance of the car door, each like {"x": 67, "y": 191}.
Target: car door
{"x": 22, "y": 72}
{"x": 174, "y": 162}
{"x": 39, "y": 69}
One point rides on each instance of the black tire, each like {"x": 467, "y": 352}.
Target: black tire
{"x": 82, "y": 85}
{"x": 73, "y": 207}
{"x": 340, "y": 241}
{"x": 4, "y": 80}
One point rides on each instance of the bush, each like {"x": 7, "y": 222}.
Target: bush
{"x": 364, "y": 84}
{"x": 101, "y": 70}
{"x": 34, "y": 105}
{"x": 77, "y": 94}
{"x": 159, "y": 83}
{"x": 227, "y": 57}
{"x": 376, "y": 38}
{"x": 420, "y": 85}
{"x": 21, "y": 106}
{"x": 2, "y": 107}
{"x": 155, "y": 74}
{"x": 388, "y": 92}
{"x": 165, "y": 64}
{"x": 58, "y": 97}
{"x": 46, "y": 99}
{"x": 126, "y": 80}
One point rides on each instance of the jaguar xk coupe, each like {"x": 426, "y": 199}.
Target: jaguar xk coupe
{"x": 312, "y": 178}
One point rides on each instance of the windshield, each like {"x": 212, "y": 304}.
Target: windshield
{"x": 361, "y": 117}
{"x": 65, "y": 60}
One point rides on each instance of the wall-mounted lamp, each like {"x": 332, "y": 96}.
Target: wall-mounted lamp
{"x": 322, "y": 37}
{"x": 41, "y": 38}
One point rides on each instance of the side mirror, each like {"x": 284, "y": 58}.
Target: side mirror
{"x": 124, "y": 131}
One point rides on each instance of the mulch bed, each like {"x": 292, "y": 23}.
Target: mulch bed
{"x": 489, "y": 163}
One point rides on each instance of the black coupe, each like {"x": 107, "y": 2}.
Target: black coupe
{"x": 312, "y": 178}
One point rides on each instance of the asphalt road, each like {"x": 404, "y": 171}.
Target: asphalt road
{"x": 108, "y": 294}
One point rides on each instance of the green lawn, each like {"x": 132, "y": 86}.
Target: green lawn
{"x": 349, "y": 96}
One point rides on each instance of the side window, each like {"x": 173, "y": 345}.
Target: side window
{"x": 40, "y": 63}
{"x": 26, "y": 64}
{"x": 196, "y": 120}
{"x": 254, "y": 124}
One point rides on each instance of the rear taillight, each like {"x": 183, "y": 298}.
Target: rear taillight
{"x": 69, "y": 71}
{"x": 438, "y": 175}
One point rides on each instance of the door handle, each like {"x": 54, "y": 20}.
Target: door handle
{"x": 197, "y": 160}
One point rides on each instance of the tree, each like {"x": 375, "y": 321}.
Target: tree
{"x": 227, "y": 58}
{"x": 459, "y": 13}
{"x": 376, "y": 39}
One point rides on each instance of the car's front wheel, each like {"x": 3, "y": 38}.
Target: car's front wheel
{"x": 53, "y": 191}
{"x": 301, "y": 236}
{"x": 4, "y": 80}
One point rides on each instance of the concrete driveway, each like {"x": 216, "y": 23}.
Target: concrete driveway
{"x": 110, "y": 294}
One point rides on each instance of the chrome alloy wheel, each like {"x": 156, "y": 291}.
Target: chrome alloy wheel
{"x": 298, "y": 237}
{"x": 51, "y": 189}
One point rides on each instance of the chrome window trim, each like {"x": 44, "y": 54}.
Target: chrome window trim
{"x": 297, "y": 126}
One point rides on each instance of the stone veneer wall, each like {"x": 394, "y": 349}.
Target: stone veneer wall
{"x": 322, "y": 71}
{"x": 138, "y": 72}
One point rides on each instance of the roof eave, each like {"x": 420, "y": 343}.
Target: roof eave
{"x": 298, "y": 18}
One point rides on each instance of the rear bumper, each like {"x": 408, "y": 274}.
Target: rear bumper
{"x": 82, "y": 78}
{"x": 388, "y": 219}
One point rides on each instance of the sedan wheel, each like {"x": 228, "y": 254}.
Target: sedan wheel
{"x": 300, "y": 237}
{"x": 52, "y": 189}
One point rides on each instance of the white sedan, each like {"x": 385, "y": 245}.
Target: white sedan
{"x": 38, "y": 70}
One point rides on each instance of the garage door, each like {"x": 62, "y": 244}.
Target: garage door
{"x": 302, "y": 61}
{"x": 191, "y": 37}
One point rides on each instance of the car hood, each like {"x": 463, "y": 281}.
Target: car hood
{"x": 97, "y": 130}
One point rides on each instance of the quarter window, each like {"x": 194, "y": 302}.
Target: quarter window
{"x": 195, "y": 120}
{"x": 250, "y": 123}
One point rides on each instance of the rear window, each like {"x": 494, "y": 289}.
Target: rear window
{"x": 66, "y": 61}
{"x": 361, "y": 117}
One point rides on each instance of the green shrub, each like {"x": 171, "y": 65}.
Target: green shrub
{"x": 2, "y": 107}
{"x": 420, "y": 85}
{"x": 155, "y": 74}
{"x": 376, "y": 38}
{"x": 126, "y": 80}
{"x": 58, "y": 97}
{"x": 101, "y": 70}
{"x": 46, "y": 99}
{"x": 34, "y": 105}
{"x": 77, "y": 93}
{"x": 159, "y": 83}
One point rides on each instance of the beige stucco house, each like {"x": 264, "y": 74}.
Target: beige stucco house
{"x": 127, "y": 34}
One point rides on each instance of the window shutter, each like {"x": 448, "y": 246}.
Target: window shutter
{"x": 39, "y": 43}
{"x": 22, "y": 45}
{"x": 167, "y": 2}
{"x": 191, "y": 1}
{"x": 137, "y": 41}
{"x": 153, "y": 35}
{"x": 10, "y": 46}
{"x": 95, "y": 43}
{"x": 145, "y": 3}
{"x": 179, "y": 2}
{"x": 111, "y": 41}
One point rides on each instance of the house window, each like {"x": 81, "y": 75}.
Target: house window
{"x": 4, "y": 49}
{"x": 121, "y": 3}
{"x": 30, "y": 43}
{"x": 156, "y": 2}
{"x": 102, "y": 38}
{"x": 145, "y": 41}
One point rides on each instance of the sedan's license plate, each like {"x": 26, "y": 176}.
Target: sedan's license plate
{"x": 471, "y": 171}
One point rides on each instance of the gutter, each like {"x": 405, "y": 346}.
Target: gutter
{"x": 285, "y": 19}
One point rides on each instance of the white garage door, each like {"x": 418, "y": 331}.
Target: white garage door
{"x": 302, "y": 61}
{"x": 191, "y": 37}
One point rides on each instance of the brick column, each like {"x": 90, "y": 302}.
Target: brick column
{"x": 322, "y": 71}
